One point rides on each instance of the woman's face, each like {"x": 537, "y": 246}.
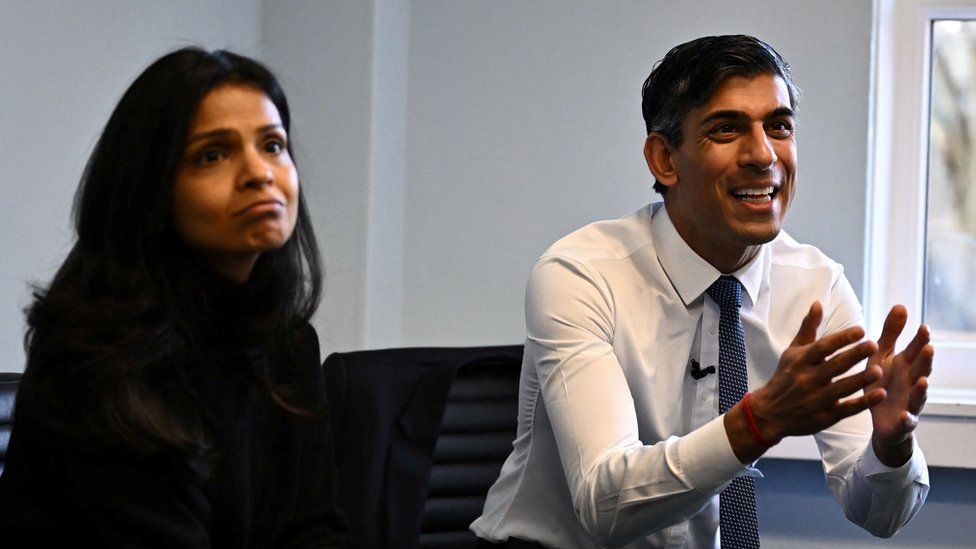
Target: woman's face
{"x": 236, "y": 190}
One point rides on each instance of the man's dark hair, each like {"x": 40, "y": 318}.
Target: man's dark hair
{"x": 689, "y": 74}
{"x": 130, "y": 304}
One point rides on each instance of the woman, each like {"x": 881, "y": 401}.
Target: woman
{"x": 172, "y": 395}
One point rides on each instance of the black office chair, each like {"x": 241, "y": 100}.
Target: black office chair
{"x": 421, "y": 434}
{"x": 8, "y": 394}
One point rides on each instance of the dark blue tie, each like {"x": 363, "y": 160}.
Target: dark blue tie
{"x": 738, "y": 525}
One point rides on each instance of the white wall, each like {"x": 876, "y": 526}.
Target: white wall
{"x": 63, "y": 66}
{"x": 443, "y": 144}
{"x": 322, "y": 53}
{"x": 524, "y": 122}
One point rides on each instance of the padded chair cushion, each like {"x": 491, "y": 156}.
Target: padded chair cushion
{"x": 476, "y": 435}
{"x": 421, "y": 434}
{"x": 9, "y": 382}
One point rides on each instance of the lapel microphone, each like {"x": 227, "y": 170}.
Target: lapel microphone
{"x": 697, "y": 372}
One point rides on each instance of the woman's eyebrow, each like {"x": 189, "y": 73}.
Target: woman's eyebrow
{"x": 222, "y": 132}
{"x": 208, "y": 135}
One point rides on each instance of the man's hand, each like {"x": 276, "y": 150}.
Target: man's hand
{"x": 802, "y": 397}
{"x": 905, "y": 384}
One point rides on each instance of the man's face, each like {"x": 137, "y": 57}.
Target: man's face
{"x": 734, "y": 174}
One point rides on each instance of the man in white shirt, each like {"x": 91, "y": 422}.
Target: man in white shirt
{"x": 621, "y": 442}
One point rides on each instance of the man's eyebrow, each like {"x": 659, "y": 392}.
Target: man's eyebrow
{"x": 732, "y": 114}
{"x": 728, "y": 114}
{"x": 221, "y": 132}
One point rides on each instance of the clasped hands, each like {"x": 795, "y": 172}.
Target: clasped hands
{"x": 802, "y": 397}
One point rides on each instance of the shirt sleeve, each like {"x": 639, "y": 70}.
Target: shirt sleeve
{"x": 621, "y": 488}
{"x": 876, "y": 497}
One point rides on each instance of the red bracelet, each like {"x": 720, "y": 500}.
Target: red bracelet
{"x": 753, "y": 428}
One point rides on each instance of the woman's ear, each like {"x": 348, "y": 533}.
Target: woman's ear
{"x": 657, "y": 152}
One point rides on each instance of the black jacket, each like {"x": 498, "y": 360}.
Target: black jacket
{"x": 267, "y": 481}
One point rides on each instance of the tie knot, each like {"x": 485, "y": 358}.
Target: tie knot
{"x": 726, "y": 292}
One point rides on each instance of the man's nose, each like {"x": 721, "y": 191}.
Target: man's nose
{"x": 757, "y": 150}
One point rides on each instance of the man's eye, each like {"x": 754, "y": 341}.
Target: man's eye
{"x": 723, "y": 129}
{"x": 781, "y": 127}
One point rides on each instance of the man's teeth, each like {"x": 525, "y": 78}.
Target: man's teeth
{"x": 758, "y": 193}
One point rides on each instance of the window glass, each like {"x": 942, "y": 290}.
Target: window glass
{"x": 950, "y": 258}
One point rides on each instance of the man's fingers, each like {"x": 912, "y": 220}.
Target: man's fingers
{"x": 852, "y": 406}
{"x": 846, "y": 359}
{"x": 922, "y": 365}
{"x": 915, "y": 346}
{"x": 909, "y": 422}
{"x": 893, "y": 325}
{"x": 851, "y": 384}
{"x": 808, "y": 328}
{"x": 918, "y": 396}
{"x": 920, "y": 340}
{"x": 831, "y": 343}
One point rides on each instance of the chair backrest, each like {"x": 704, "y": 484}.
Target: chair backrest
{"x": 421, "y": 434}
{"x": 475, "y": 438}
{"x": 8, "y": 394}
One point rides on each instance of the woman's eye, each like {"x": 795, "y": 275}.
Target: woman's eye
{"x": 209, "y": 156}
{"x": 276, "y": 144}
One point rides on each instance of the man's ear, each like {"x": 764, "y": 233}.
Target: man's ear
{"x": 658, "y": 153}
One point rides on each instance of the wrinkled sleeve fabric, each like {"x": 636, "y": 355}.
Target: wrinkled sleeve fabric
{"x": 622, "y": 489}
{"x": 876, "y": 497}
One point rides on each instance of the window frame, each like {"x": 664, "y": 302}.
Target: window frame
{"x": 894, "y": 269}
{"x": 896, "y": 217}
{"x": 899, "y": 148}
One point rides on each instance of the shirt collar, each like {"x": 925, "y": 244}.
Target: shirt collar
{"x": 689, "y": 273}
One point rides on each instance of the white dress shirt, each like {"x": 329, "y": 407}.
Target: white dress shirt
{"x": 617, "y": 444}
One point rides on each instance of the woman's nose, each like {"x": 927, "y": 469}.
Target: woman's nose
{"x": 256, "y": 171}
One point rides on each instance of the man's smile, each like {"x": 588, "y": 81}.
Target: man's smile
{"x": 756, "y": 194}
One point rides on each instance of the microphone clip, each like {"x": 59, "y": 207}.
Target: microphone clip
{"x": 697, "y": 372}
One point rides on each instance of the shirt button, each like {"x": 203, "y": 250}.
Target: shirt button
{"x": 712, "y": 330}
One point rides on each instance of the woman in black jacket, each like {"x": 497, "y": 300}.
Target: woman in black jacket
{"x": 173, "y": 395}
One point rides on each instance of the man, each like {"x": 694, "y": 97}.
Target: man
{"x": 645, "y": 333}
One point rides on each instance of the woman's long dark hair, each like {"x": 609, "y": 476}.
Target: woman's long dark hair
{"x": 129, "y": 304}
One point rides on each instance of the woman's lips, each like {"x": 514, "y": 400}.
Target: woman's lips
{"x": 263, "y": 207}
